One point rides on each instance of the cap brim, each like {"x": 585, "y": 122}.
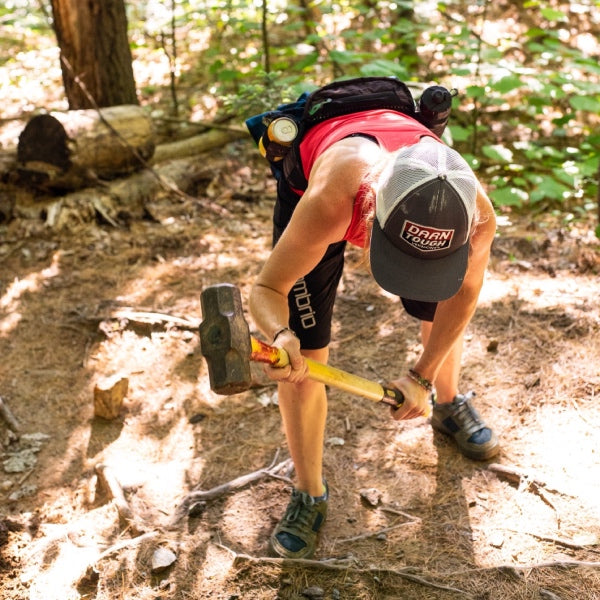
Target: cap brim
{"x": 426, "y": 280}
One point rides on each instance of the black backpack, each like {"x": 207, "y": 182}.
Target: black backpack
{"x": 278, "y": 133}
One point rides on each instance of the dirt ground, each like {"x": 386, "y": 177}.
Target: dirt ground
{"x": 409, "y": 517}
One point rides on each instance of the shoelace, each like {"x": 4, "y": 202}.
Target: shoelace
{"x": 300, "y": 501}
{"x": 467, "y": 415}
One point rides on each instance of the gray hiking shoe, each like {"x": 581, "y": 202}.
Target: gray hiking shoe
{"x": 296, "y": 534}
{"x": 462, "y": 422}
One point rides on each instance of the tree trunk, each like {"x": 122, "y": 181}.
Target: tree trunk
{"x": 95, "y": 54}
{"x": 63, "y": 151}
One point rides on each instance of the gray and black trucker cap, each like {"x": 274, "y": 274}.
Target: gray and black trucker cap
{"x": 423, "y": 215}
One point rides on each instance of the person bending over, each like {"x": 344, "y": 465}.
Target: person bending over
{"x": 382, "y": 181}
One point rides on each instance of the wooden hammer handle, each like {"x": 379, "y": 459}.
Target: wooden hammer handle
{"x": 278, "y": 357}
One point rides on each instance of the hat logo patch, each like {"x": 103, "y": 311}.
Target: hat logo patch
{"x": 426, "y": 239}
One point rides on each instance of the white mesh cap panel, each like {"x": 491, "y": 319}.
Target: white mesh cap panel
{"x": 417, "y": 164}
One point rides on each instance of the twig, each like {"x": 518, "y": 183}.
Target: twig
{"x": 153, "y": 317}
{"x": 193, "y": 498}
{"x": 395, "y": 511}
{"x": 315, "y": 564}
{"x": 114, "y": 489}
{"x": 22, "y": 480}
{"x": 8, "y": 416}
{"x": 126, "y": 544}
{"x": 236, "y": 484}
{"x": 563, "y": 564}
{"x": 518, "y": 476}
{"x": 559, "y": 541}
{"x": 369, "y": 534}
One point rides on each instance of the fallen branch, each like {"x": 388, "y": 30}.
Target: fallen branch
{"x": 238, "y": 482}
{"x": 273, "y": 470}
{"x": 560, "y": 541}
{"x": 315, "y": 564}
{"x": 519, "y": 476}
{"x": 412, "y": 521}
{"x": 145, "y": 317}
{"x": 115, "y": 491}
{"x": 562, "y": 564}
{"x": 369, "y": 534}
{"x": 129, "y": 543}
{"x": 9, "y": 418}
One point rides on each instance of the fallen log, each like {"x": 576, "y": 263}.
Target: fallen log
{"x": 122, "y": 199}
{"x": 68, "y": 150}
{"x": 197, "y": 144}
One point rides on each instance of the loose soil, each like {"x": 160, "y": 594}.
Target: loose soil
{"x": 409, "y": 517}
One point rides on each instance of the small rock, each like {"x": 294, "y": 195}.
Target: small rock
{"x": 313, "y": 592}
{"x": 20, "y": 461}
{"x": 335, "y": 441}
{"x": 162, "y": 559}
{"x": 492, "y": 346}
{"x": 372, "y": 496}
{"x": 26, "y": 490}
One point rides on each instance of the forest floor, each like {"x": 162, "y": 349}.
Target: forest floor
{"x": 409, "y": 517}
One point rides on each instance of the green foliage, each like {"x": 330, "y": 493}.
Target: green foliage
{"x": 529, "y": 87}
{"x": 528, "y": 113}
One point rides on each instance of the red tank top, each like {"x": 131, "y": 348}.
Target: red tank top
{"x": 392, "y": 130}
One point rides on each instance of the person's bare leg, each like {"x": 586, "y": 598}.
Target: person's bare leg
{"x": 446, "y": 382}
{"x": 303, "y": 409}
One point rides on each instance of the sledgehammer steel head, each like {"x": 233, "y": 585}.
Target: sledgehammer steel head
{"x": 225, "y": 339}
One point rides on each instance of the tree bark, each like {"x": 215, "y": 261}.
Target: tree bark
{"x": 96, "y": 60}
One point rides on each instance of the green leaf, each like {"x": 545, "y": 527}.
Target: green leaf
{"x": 548, "y": 189}
{"x": 228, "y": 75}
{"x": 383, "y": 68}
{"x": 585, "y": 103}
{"x": 343, "y": 57}
{"x": 459, "y": 134}
{"x": 553, "y": 15}
{"x": 307, "y": 61}
{"x": 507, "y": 84}
{"x": 475, "y": 91}
{"x": 498, "y": 153}
{"x": 508, "y": 196}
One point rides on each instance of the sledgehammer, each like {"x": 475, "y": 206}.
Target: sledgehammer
{"x": 228, "y": 347}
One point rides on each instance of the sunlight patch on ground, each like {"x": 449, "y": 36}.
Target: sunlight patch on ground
{"x": 539, "y": 291}
{"x": 216, "y": 567}
{"x": 72, "y": 560}
{"x": 572, "y": 451}
{"x": 32, "y": 283}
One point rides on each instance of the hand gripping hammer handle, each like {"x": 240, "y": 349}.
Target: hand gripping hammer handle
{"x": 328, "y": 375}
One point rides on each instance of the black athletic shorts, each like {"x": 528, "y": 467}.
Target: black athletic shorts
{"x": 312, "y": 298}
